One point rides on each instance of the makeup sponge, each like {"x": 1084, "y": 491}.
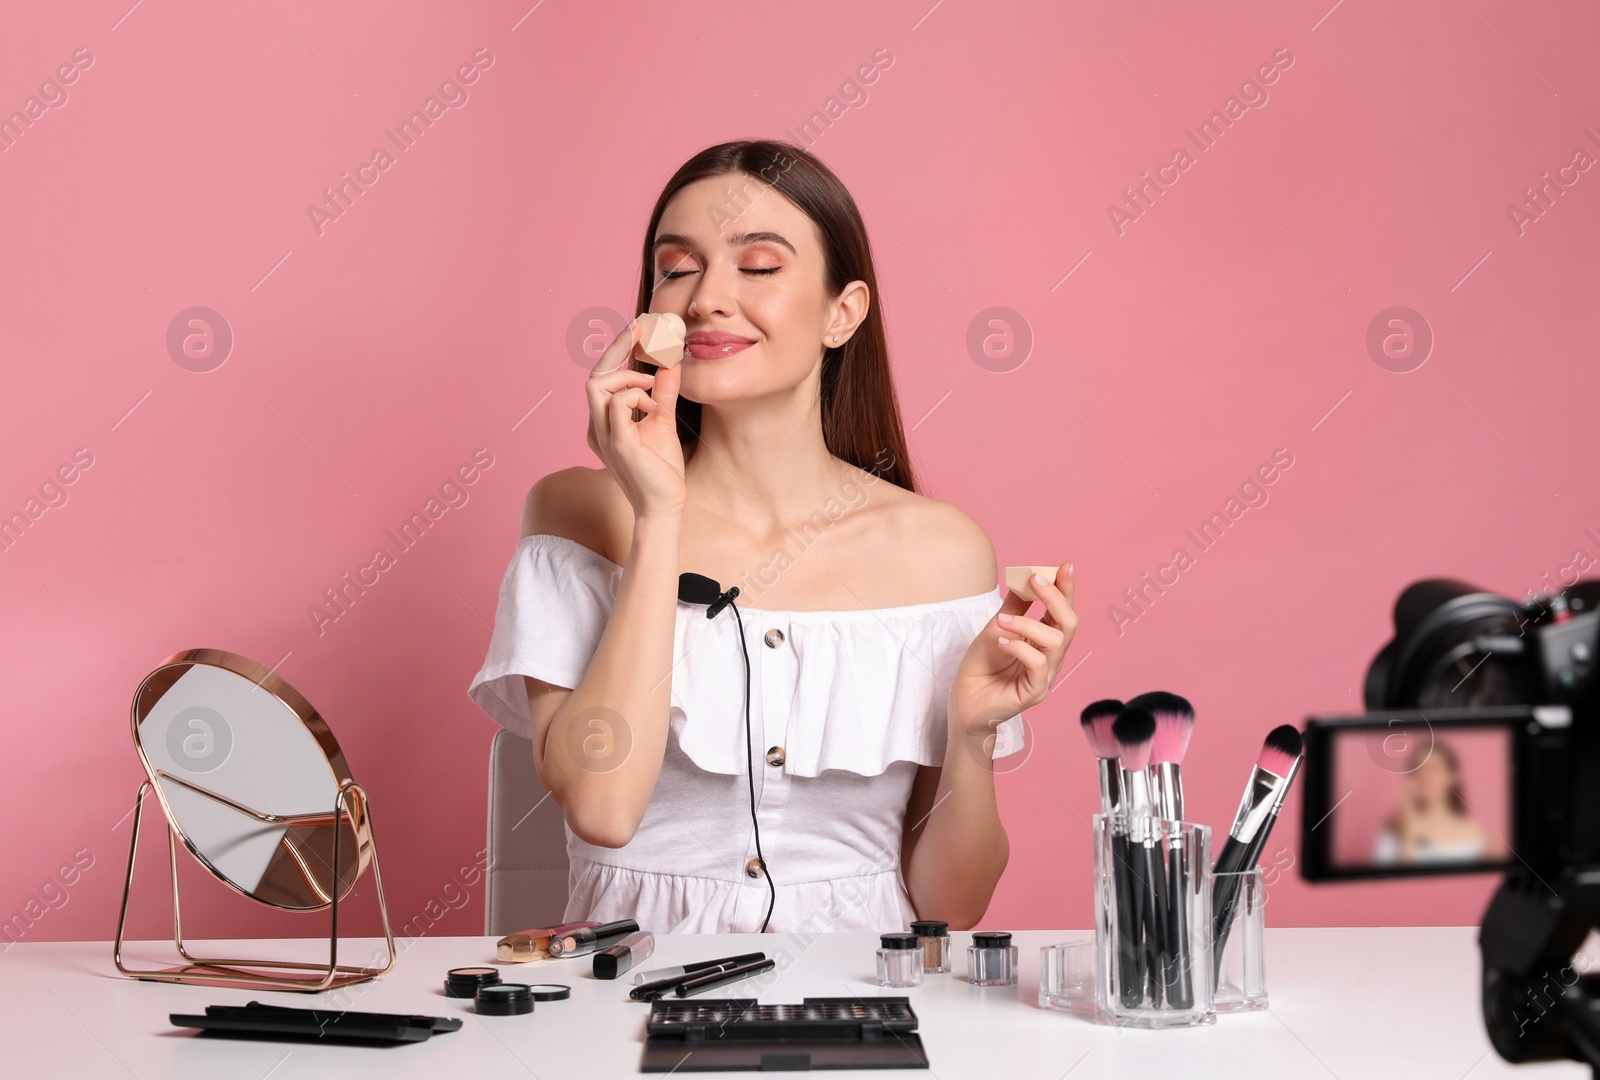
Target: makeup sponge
{"x": 1017, "y": 578}
{"x": 660, "y": 338}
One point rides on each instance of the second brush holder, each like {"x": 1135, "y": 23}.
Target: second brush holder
{"x": 1153, "y": 965}
{"x": 1239, "y": 954}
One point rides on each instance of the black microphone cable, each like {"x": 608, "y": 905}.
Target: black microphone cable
{"x": 750, "y": 757}
{"x": 698, "y": 589}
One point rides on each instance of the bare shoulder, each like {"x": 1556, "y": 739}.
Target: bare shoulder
{"x": 950, "y": 547}
{"x": 580, "y": 503}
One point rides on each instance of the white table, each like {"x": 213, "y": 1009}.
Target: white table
{"x": 1345, "y": 1003}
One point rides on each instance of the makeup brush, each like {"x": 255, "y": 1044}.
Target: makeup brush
{"x": 1097, "y": 719}
{"x": 1174, "y": 725}
{"x": 1174, "y": 718}
{"x": 1135, "y": 730}
{"x": 1280, "y": 758}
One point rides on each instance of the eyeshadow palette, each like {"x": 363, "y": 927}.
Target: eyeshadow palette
{"x": 817, "y": 1033}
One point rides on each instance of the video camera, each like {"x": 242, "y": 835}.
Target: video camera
{"x": 1480, "y": 751}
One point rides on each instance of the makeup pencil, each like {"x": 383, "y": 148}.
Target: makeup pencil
{"x": 681, "y": 970}
{"x": 1134, "y": 730}
{"x": 1097, "y": 719}
{"x": 712, "y": 981}
{"x": 1263, "y": 797}
{"x": 655, "y": 988}
{"x": 1174, "y": 718}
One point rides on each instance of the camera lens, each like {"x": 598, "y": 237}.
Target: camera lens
{"x": 1455, "y": 646}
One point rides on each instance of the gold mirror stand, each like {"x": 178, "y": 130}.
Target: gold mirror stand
{"x": 219, "y": 971}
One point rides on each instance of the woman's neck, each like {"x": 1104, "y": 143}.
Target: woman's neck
{"x": 767, "y": 466}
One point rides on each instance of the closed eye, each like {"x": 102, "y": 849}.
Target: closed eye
{"x": 670, "y": 274}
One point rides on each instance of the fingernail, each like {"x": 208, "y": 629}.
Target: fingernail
{"x": 1004, "y": 640}
{"x": 1069, "y": 569}
{"x": 1038, "y": 578}
{"x": 1005, "y": 618}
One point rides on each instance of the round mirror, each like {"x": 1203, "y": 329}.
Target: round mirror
{"x": 251, "y": 779}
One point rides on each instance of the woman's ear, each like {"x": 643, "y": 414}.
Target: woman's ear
{"x": 849, "y": 310}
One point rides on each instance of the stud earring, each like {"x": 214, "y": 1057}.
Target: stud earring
{"x": 836, "y": 339}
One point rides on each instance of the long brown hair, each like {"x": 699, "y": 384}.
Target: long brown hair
{"x": 860, "y": 412}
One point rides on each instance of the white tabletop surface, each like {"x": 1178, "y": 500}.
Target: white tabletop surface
{"x": 1345, "y": 1003}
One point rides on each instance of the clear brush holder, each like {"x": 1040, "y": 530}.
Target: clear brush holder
{"x": 1067, "y": 977}
{"x": 1153, "y": 961}
{"x": 1239, "y": 950}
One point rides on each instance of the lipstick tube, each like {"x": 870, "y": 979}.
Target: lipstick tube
{"x": 526, "y": 945}
{"x": 590, "y": 938}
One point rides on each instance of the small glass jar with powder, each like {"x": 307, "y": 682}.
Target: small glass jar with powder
{"x": 992, "y": 959}
{"x": 899, "y": 960}
{"x": 934, "y": 937}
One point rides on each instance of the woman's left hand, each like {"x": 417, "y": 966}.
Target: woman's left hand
{"x": 1011, "y": 663}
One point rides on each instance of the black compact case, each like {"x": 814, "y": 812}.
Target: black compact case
{"x": 818, "y": 1033}
{"x": 260, "y": 1021}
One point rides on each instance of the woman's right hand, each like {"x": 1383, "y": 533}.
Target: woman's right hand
{"x": 644, "y": 456}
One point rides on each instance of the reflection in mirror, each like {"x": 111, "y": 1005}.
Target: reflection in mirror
{"x": 250, "y": 775}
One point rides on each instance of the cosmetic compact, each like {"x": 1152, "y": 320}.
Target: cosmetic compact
{"x": 899, "y": 960}
{"x": 934, "y": 938}
{"x": 504, "y": 999}
{"x": 817, "y": 1033}
{"x": 992, "y": 959}
{"x": 463, "y": 982}
{"x": 549, "y": 991}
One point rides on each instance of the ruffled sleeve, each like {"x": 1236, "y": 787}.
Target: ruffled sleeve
{"x": 555, "y": 598}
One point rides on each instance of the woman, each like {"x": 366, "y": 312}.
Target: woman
{"x": 880, "y": 657}
{"x": 1431, "y": 821}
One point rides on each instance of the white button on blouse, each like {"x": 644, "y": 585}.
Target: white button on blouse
{"x": 846, "y": 704}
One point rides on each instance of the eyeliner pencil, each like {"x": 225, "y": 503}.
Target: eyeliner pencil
{"x": 662, "y": 987}
{"x": 714, "y": 980}
{"x": 674, "y": 974}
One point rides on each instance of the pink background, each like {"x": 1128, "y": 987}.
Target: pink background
{"x": 1366, "y": 791}
{"x": 1166, "y": 363}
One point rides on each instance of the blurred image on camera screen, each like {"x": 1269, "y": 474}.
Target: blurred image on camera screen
{"x": 1416, "y": 795}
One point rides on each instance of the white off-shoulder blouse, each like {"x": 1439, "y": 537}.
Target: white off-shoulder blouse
{"x": 844, "y": 705}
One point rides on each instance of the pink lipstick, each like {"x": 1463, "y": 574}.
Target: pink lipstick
{"x": 715, "y": 344}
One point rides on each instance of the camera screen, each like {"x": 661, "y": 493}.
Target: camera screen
{"x": 1411, "y": 795}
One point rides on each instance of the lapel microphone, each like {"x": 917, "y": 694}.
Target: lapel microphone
{"x": 699, "y": 589}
